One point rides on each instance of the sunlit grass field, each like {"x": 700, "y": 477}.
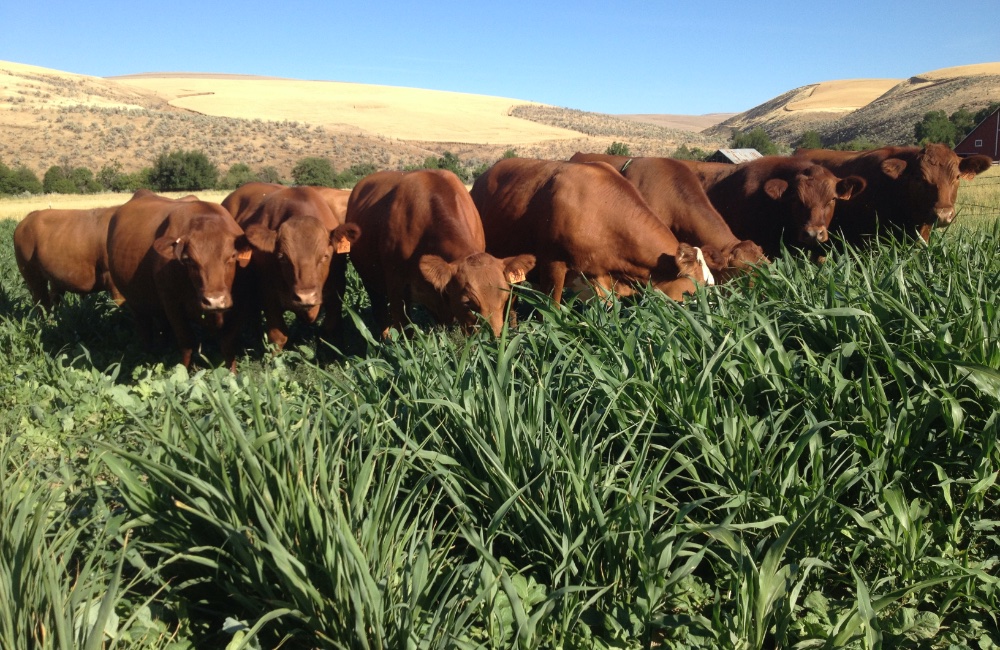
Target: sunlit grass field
{"x": 807, "y": 459}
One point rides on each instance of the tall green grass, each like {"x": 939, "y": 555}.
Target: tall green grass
{"x": 805, "y": 459}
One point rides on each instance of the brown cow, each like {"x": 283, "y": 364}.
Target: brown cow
{"x": 422, "y": 242}
{"x": 677, "y": 198}
{"x": 583, "y": 217}
{"x": 247, "y": 197}
{"x": 299, "y": 261}
{"x": 177, "y": 259}
{"x": 777, "y": 198}
{"x": 337, "y": 200}
{"x": 909, "y": 188}
{"x": 64, "y": 250}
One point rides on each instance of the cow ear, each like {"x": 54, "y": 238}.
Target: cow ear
{"x": 775, "y": 187}
{"x": 261, "y": 237}
{"x": 893, "y": 167}
{"x": 972, "y": 166}
{"x": 436, "y": 271}
{"x": 169, "y": 247}
{"x": 516, "y": 268}
{"x": 850, "y": 186}
{"x": 343, "y": 236}
{"x": 244, "y": 251}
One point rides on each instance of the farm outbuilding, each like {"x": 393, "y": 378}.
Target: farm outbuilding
{"x": 984, "y": 139}
{"x": 734, "y": 156}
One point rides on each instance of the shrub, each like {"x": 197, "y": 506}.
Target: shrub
{"x": 238, "y": 174}
{"x": 811, "y": 140}
{"x": 683, "y": 153}
{"x": 618, "y": 149}
{"x": 935, "y": 127}
{"x": 18, "y": 181}
{"x": 314, "y": 171}
{"x": 754, "y": 139}
{"x": 183, "y": 171}
{"x": 64, "y": 180}
{"x": 350, "y": 176}
{"x": 269, "y": 174}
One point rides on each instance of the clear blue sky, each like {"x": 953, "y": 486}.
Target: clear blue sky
{"x": 688, "y": 57}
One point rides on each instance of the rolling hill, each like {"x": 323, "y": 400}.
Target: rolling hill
{"x": 881, "y": 110}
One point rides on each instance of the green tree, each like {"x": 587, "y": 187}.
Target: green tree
{"x": 618, "y": 149}
{"x": 811, "y": 140}
{"x": 183, "y": 171}
{"x": 754, "y": 139}
{"x": 684, "y": 153}
{"x": 84, "y": 181}
{"x": 270, "y": 174}
{"x": 935, "y": 127}
{"x": 57, "y": 181}
{"x": 983, "y": 113}
{"x": 238, "y": 174}
{"x": 19, "y": 181}
{"x": 112, "y": 178}
{"x": 350, "y": 176}
{"x": 314, "y": 171}
{"x": 964, "y": 121}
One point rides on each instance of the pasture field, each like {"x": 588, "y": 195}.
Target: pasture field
{"x": 806, "y": 460}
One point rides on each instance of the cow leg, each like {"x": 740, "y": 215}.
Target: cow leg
{"x": 553, "y": 278}
{"x": 274, "y": 320}
{"x": 396, "y": 316}
{"x": 184, "y": 334}
{"x": 333, "y": 297}
{"x": 38, "y": 286}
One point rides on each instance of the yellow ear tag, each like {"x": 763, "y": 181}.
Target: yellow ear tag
{"x": 244, "y": 256}
{"x": 515, "y": 276}
{"x": 343, "y": 246}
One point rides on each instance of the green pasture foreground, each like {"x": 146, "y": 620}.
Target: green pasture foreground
{"x": 804, "y": 460}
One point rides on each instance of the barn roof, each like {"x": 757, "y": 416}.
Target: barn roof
{"x": 735, "y": 156}
{"x": 984, "y": 139}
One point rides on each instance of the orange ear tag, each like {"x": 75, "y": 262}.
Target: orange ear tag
{"x": 244, "y": 256}
{"x": 515, "y": 276}
{"x": 343, "y": 246}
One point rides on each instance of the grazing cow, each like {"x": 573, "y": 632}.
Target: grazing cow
{"x": 674, "y": 194}
{"x": 177, "y": 259}
{"x": 299, "y": 261}
{"x": 586, "y": 218}
{"x": 422, "y": 242}
{"x": 64, "y": 250}
{"x": 777, "y": 198}
{"x": 911, "y": 189}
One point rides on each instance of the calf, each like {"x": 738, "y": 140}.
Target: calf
{"x": 910, "y": 189}
{"x": 583, "y": 217}
{"x": 422, "y": 241}
{"x": 177, "y": 259}
{"x": 677, "y": 198}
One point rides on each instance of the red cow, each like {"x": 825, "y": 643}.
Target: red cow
{"x": 909, "y": 188}
{"x": 299, "y": 261}
{"x": 777, "y": 198}
{"x": 583, "y": 217}
{"x": 422, "y": 241}
{"x": 64, "y": 250}
{"x": 177, "y": 259}
{"x": 247, "y": 197}
{"x": 674, "y": 194}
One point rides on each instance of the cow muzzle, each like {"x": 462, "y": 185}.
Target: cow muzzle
{"x": 945, "y": 216}
{"x": 307, "y": 299}
{"x": 216, "y": 302}
{"x": 818, "y": 235}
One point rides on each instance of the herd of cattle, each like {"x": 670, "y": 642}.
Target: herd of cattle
{"x": 421, "y": 237}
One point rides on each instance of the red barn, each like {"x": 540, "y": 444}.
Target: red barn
{"x": 984, "y": 139}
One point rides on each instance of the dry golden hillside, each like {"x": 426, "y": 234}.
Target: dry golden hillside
{"x": 880, "y": 110}
{"x": 48, "y": 117}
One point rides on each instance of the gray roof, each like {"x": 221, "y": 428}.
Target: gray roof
{"x": 740, "y": 155}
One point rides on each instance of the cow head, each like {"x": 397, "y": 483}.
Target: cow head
{"x": 209, "y": 253}
{"x": 739, "y": 258}
{"x": 302, "y": 249}
{"x": 809, "y": 201}
{"x": 476, "y": 286}
{"x": 928, "y": 181}
{"x": 678, "y": 274}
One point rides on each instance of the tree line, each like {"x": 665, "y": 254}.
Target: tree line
{"x": 192, "y": 171}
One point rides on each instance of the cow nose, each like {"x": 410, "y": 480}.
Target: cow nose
{"x": 307, "y": 298}
{"x": 216, "y": 302}
{"x": 945, "y": 216}
{"x": 819, "y": 235}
